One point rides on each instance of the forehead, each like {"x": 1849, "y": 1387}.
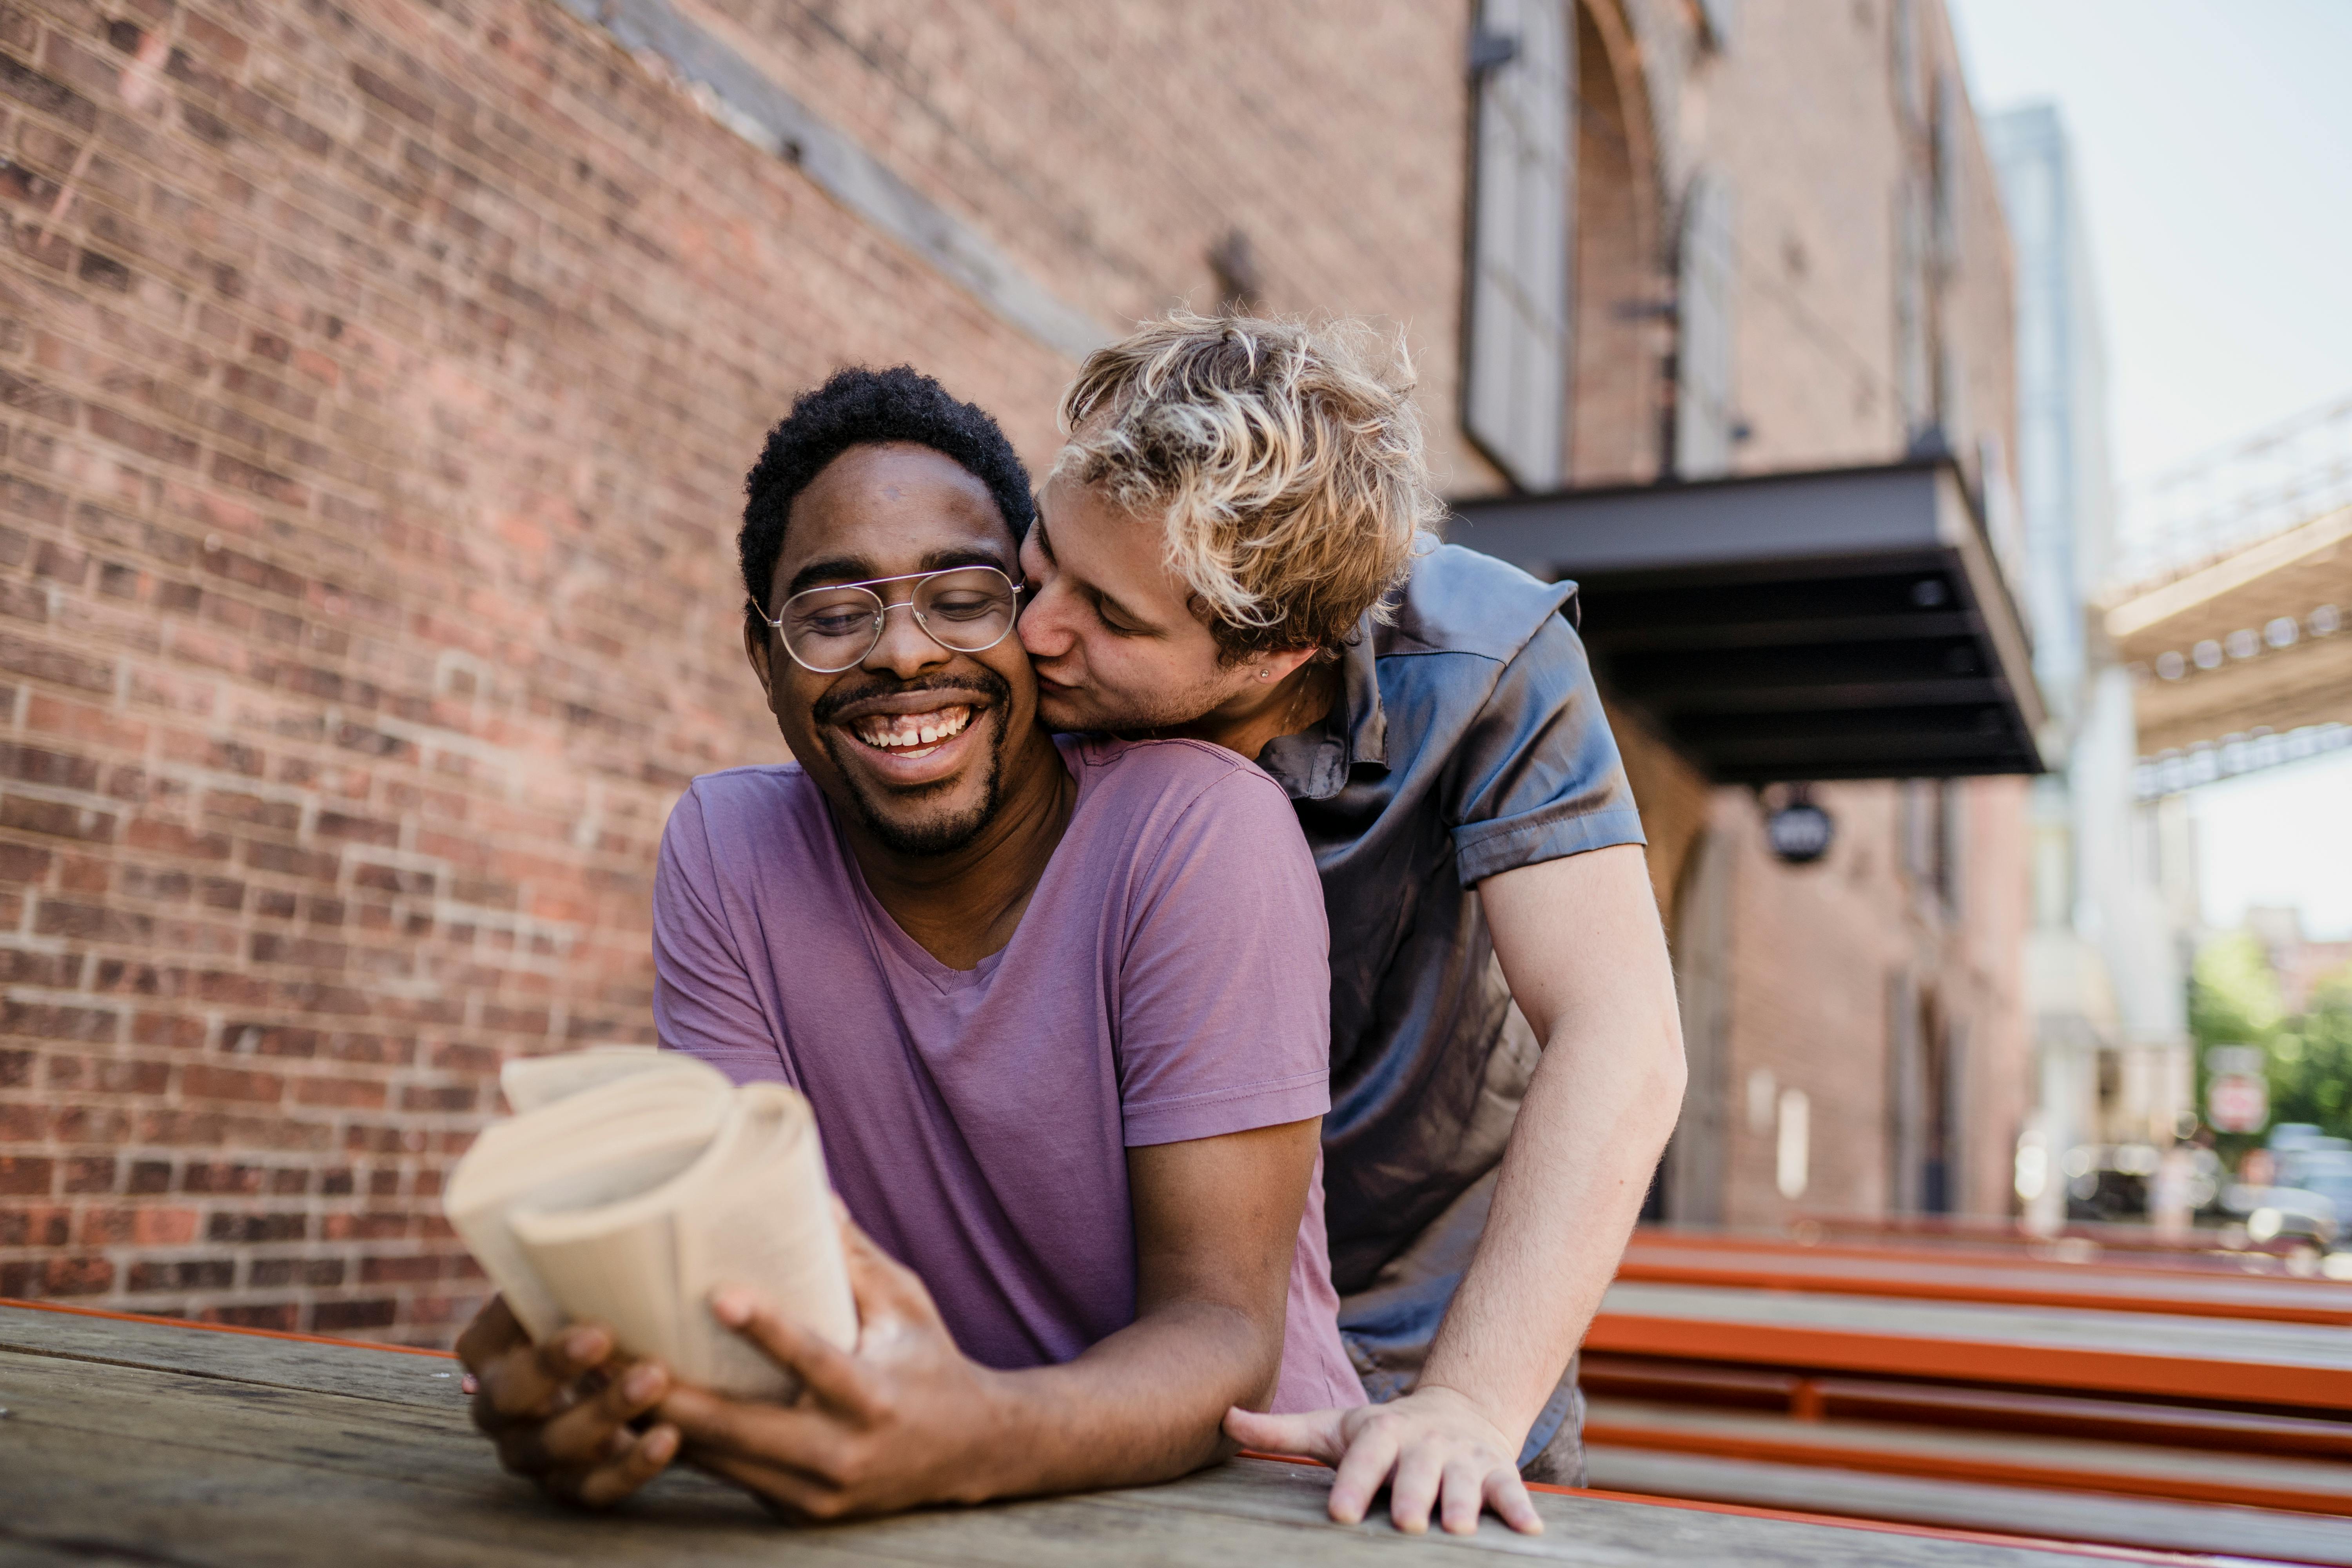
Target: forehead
{"x": 889, "y": 507}
{"x": 1096, "y": 539}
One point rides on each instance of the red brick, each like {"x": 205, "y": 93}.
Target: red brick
{"x": 183, "y": 1274}
{"x": 349, "y": 1317}
{"x": 22, "y": 1225}
{"x": 26, "y": 1177}
{"x": 281, "y": 1316}
{"x": 347, "y": 1092}
{"x": 198, "y": 1081}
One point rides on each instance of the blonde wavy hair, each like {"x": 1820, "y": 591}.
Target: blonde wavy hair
{"x": 1286, "y": 457}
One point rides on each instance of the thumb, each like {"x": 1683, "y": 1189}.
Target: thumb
{"x": 1314, "y": 1435}
{"x": 883, "y": 1287}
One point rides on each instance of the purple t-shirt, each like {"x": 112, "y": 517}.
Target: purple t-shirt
{"x": 1167, "y": 981}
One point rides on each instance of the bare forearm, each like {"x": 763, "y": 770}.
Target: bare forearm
{"x": 1589, "y": 1136}
{"x": 1143, "y": 1405}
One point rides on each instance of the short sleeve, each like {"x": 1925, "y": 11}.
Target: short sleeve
{"x": 1537, "y": 774}
{"x": 1225, "y": 993}
{"x": 704, "y": 1002}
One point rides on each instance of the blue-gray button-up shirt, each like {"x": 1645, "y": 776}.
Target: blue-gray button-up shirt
{"x": 1470, "y": 741}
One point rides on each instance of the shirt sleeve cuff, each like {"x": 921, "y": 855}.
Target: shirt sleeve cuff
{"x": 1484, "y": 849}
{"x": 1243, "y": 1110}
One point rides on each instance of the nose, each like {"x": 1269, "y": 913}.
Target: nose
{"x": 904, "y": 649}
{"x": 1045, "y": 623}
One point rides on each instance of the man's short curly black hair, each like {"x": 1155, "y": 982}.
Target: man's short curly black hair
{"x": 856, "y": 407}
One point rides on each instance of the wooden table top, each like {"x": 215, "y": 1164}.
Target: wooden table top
{"x": 130, "y": 1441}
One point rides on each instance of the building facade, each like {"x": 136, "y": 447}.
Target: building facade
{"x": 377, "y": 384}
{"x": 2106, "y": 955}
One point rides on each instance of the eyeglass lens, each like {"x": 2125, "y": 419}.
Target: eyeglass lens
{"x": 967, "y": 610}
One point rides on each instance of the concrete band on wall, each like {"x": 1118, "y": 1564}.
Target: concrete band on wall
{"x": 740, "y": 96}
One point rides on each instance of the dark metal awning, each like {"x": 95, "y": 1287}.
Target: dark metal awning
{"x": 1842, "y": 625}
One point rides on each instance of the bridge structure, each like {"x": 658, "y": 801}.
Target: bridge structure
{"x": 2234, "y": 608}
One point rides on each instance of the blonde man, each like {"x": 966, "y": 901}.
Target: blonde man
{"x": 1235, "y": 546}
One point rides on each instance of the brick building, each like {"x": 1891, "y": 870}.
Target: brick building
{"x": 376, "y": 383}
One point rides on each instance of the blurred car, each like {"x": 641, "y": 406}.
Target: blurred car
{"x": 2108, "y": 1181}
{"x": 2270, "y": 1213}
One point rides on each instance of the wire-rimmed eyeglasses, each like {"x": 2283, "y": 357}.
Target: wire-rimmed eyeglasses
{"x": 964, "y": 609}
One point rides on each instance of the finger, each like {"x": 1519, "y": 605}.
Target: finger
{"x": 836, "y": 1380}
{"x": 492, "y": 1333}
{"x": 800, "y": 1438}
{"x": 583, "y": 1435}
{"x": 1506, "y": 1494}
{"x": 780, "y": 1484}
{"x": 1461, "y": 1492}
{"x": 1414, "y": 1489}
{"x": 1370, "y": 1456}
{"x": 580, "y": 1349}
{"x": 1316, "y": 1436}
{"x": 881, "y": 1285}
{"x": 532, "y": 1380}
{"x": 645, "y": 1456}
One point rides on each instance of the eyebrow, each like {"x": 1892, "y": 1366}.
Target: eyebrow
{"x": 860, "y": 569}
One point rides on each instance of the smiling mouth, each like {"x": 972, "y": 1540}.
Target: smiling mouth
{"x": 913, "y": 735}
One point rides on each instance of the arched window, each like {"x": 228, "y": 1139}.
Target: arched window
{"x": 1515, "y": 380}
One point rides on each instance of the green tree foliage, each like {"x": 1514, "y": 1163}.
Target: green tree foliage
{"x": 2233, "y": 1000}
{"x": 2311, "y": 1063}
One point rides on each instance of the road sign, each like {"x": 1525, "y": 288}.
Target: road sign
{"x": 2235, "y": 1102}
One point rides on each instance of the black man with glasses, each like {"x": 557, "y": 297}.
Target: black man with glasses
{"x": 1060, "y": 1006}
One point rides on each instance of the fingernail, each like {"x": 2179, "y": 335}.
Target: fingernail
{"x": 585, "y": 1344}
{"x": 642, "y": 1383}
{"x": 469, "y": 1384}
{"x": 731, "y": 1305}
{"x": 659, "y": 1444}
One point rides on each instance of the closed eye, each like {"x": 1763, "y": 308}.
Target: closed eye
{"x": 1114, "y": 620}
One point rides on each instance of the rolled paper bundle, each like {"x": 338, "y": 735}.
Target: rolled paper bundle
{"x": 633, "y": 1183}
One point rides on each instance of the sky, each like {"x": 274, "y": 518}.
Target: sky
{"x": 2214, "y": 148}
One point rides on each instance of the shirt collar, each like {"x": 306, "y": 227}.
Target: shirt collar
{"x": 1315, "y": 763}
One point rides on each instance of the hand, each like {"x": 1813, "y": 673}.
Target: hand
{"x": 904, "y": 1419}
{"x": 559, "y": 1412}
{"x": 1432, "y": 1446}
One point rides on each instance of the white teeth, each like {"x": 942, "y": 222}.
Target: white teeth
{"x": 908, "y": 732}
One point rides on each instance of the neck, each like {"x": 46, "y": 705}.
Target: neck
{"x": 1264, "y": 712}
{"x": 962, "y": 906}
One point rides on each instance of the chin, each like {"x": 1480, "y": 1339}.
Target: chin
{"x": 1063, "y": 714}
{"x": 934, "y": 833}
{"x": 936, "y": 818}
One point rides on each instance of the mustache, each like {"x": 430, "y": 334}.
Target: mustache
{"x": 981, "y": 681}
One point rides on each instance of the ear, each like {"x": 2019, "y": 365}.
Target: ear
{"x": 757, "y": 642}
{"x": 1280, "y": 662}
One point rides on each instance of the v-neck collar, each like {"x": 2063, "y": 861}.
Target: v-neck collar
{"x": 884, "y": 929}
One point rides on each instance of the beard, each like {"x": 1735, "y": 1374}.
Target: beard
{"x": 943, "y": 831}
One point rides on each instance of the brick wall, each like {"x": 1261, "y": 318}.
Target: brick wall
{"x": 375, "y": 385}
{"x": 375, "y": 388}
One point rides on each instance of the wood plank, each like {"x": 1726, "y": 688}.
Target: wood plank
{"x": 2016, "y": 1284}
{"x": 1817, "y": 1395}
{"x": 2003, "y": 1245}
{"x": 193, "y": 1465}
{"x": 2012, "y": 1458}
{"x": 2224, "y": 1359}
{"x": 195, "y": 1503}
{"x": 283, "y": 1363}
{"x": 2230, "y": 1535}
